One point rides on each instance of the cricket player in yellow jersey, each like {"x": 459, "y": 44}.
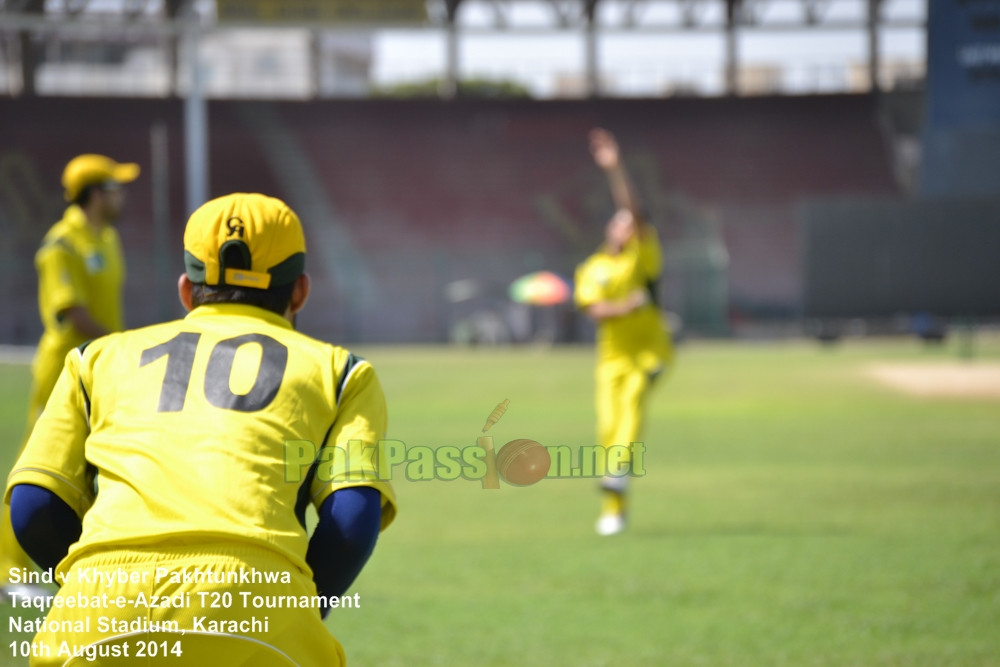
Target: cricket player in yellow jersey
{"x": 616, "y": 287}
{"x": 80, "y": 277}
{"x": 160, "y": 459}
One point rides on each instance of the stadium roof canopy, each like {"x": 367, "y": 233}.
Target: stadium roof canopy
{"x": 460, "y": 17}
{"x": 658, "y": 15}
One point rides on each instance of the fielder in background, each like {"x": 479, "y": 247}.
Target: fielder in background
{"x": 80, "y": 276}
{"x": 184, "y": 426}
{"x": 616, "y": 287}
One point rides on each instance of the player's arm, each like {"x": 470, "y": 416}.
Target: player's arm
{"x": 349, "y": 523}
{"x": 603, "y": 310}
{"x": 356, "y": 505}
{"x": 604, "y": 148}
{"x": 53, "y": 461}
{"x": 59, "y": 282}
{"x": 45, "y": 526}
{"x": 80, "y": 319}
{"x": 590, "y": 296}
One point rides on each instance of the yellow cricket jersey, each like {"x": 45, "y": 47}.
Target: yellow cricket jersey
{"x": 78, "y": 266}
{"x": 179, "y": 432}
{"x": 641, "y": 336}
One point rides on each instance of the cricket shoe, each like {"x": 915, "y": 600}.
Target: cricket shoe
{"x": 610, "y": 524}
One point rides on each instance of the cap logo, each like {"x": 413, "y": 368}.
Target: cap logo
{"x": 235, "y": 227}
{"x": 218, "y": 236}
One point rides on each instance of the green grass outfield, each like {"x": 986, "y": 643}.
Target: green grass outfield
{"x": 794, "y": 512}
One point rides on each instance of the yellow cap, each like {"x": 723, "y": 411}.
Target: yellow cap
{"x": 244, "y": 240}
{"x": 92, "y": 169}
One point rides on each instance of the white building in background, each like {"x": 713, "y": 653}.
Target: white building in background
{"x": 284, "y": 63}
{"x": 638, "y": 48}
{"x": 347, "y": 64}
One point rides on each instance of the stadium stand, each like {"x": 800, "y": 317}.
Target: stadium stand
{"x": 402, "y": 197}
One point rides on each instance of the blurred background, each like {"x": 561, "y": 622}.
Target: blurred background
{"x": 815, "y": 167}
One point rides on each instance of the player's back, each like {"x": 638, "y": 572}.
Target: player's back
{"x": 188, "y": 425}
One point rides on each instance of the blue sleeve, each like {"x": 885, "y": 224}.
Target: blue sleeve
{"x": 43, "y": 523}
{"x": 349, "y": 523}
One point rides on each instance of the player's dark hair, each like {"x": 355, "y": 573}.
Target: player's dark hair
{"x": 274, "y": 299}
{"x": 83, "y": 198}
{"x": 87, "y": 192}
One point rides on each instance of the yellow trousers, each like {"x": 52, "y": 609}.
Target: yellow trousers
{"x": 217, "y": 589}
{"x": 622, "y": 390}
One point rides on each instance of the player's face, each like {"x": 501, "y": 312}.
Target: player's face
{"x": 110, "y": 200}
{"x": 620, "y": 229}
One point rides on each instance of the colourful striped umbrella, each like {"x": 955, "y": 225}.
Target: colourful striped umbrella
{"x": 542, "y": 288}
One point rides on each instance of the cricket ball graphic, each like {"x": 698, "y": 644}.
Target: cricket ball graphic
{"x": 523, "y": 462}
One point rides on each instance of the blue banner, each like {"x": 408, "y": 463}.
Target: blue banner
{"x": 961, "y": 154}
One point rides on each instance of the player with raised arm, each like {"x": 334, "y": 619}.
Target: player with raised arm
{"x": 160, "y": 457}
{"x": 616, "y": 287}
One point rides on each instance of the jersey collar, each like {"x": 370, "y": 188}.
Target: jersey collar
{"x": 77, "y": 219}
{"x": 238, "y": 310}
